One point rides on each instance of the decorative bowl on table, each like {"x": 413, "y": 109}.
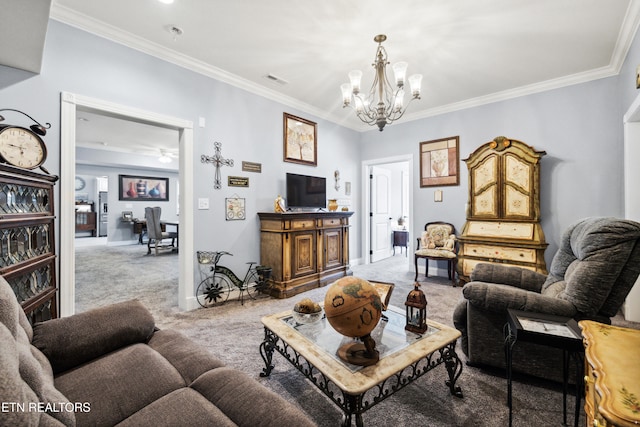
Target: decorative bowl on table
{"x": 306, "y": 311}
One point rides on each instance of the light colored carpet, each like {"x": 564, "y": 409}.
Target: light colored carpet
{"x": 233, "y": 332}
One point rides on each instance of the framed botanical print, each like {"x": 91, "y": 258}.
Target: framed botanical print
{"x": 439, "y": 162}
{"x": 300, "y": 140}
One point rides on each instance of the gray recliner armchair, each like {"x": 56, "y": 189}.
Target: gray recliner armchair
{"x": 596, "y": 266}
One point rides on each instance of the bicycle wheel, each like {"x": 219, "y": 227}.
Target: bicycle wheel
{"x": 213, "y": 290}
{"x": 254, "y": 285}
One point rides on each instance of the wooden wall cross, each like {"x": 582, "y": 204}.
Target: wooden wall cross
{"x": 217, "y": 160}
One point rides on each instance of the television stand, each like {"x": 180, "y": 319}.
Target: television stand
{"x": 305, "y": 250}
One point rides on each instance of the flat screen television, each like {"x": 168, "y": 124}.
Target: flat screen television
{"x": 306, "y": 192}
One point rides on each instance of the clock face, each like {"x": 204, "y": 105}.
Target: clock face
{"x": 21, "y": 147}
{"x": 79, "y": 183}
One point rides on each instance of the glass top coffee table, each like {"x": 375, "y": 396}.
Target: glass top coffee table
{"x": 404, "y": 357}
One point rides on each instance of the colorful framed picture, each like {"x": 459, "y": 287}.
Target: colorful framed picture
{"x": 300, "y": 140}
{"x": 439, "y": 162}
{"x": 235, "y": 209}
{"x": 145, "y": 188}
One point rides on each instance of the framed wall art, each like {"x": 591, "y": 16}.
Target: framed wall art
{"x": 134, "y": 187}
{"x": 235, "y": 208}
{"x": 439, "y": 162}
{"x": 300, "y": 140}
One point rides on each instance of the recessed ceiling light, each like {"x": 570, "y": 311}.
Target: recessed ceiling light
{"x": 166, "y": 1}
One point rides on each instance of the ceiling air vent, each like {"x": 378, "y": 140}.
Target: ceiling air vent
{"x": 276, "y": 79}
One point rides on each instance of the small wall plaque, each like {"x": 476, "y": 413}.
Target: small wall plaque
{"x": 238, "y": 181}
{"x": 252, "y": 167}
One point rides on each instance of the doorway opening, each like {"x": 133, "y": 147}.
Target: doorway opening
{"x": 69, "y": 105}
{"x": 387, "y": 188}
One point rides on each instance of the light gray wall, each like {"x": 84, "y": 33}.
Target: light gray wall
{"x": 248, "y": 126}
{"x": 580, "y": 127}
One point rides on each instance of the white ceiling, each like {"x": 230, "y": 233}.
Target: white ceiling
{"x": 470, "y": 52}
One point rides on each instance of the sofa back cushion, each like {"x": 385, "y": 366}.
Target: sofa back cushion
{"x": 70, "y": 341}
{"x": 26, "y": 383}
{"x": 596, "y": 265}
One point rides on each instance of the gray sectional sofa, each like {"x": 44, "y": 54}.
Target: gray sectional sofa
{"x": 112, "y": 366}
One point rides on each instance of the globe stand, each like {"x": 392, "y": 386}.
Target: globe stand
{"x": 360, "y": 353}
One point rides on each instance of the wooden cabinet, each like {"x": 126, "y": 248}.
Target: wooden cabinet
{"x": 27, "y": 240}
{"x": 400, "y": 238}
{"x": 503, "y": 213}
{"x": 305, "y": 250}
{"x": 85, "y": 218}
{"x": 612, "y": 375}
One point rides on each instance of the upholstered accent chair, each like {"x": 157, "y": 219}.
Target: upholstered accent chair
{"x": 154, "y": 230}
{"x": 438, "y": 242}
{"x": 591, "y": 274}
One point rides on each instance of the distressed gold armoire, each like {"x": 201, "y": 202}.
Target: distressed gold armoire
{"x": 503, "y": 211}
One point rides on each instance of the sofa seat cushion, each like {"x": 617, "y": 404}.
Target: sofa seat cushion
{"x": 236, "y": 394}
{"x": 119, "y": 384}
{"x": 188, "y": 359}
{"x": 182, "y": 407}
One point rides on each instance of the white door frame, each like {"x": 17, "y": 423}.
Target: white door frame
{"x": 631, "y": 120}
{"x": 69, "y": 103}
{"x": 366, "y": 199}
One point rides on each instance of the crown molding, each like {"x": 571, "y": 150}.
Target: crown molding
{"x": 86, "y": 23}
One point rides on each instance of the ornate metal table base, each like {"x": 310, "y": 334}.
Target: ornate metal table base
{"x": 357, "y": 404}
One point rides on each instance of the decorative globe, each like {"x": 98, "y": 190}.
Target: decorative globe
{"x": 352, "y": 307}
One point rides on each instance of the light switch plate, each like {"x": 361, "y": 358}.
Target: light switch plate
{"x": 203, "y": 203}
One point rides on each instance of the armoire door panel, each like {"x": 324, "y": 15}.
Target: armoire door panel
{"x": 517, "y": 204}
{"x": 485, "y": 204}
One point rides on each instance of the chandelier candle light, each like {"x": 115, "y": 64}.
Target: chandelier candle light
{"x": 390, "y": 100}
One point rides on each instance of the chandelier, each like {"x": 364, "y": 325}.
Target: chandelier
{"x": 384, "y": 103}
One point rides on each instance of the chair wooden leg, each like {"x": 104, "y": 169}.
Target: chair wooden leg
{"x": 415, "y": 260}
{"x": 454, "y": 264}
{"x": 148, "y": 245}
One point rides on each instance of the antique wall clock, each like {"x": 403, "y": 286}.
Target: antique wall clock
{"x": 23, "y": 147}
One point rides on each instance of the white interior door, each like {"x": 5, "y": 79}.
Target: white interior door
{"x": 380, "y": 180}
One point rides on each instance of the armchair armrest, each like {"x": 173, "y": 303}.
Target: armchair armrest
{"x": 70, "y": 341}
{"x": 513, "y": 276}
{"x": 498, "y": 298}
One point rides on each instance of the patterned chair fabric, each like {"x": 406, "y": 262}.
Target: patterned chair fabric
{"x": 438, "y": 242}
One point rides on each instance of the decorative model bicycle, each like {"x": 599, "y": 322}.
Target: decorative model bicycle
{"x": 218, "y": 281}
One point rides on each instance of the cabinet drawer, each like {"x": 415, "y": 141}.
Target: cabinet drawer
{"x": 331, "y": 221}
{"x": 500, "y": 252}
{"x": 302, "y": 224}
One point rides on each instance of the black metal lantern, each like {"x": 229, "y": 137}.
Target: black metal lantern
{"x": 416, "y": 305}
